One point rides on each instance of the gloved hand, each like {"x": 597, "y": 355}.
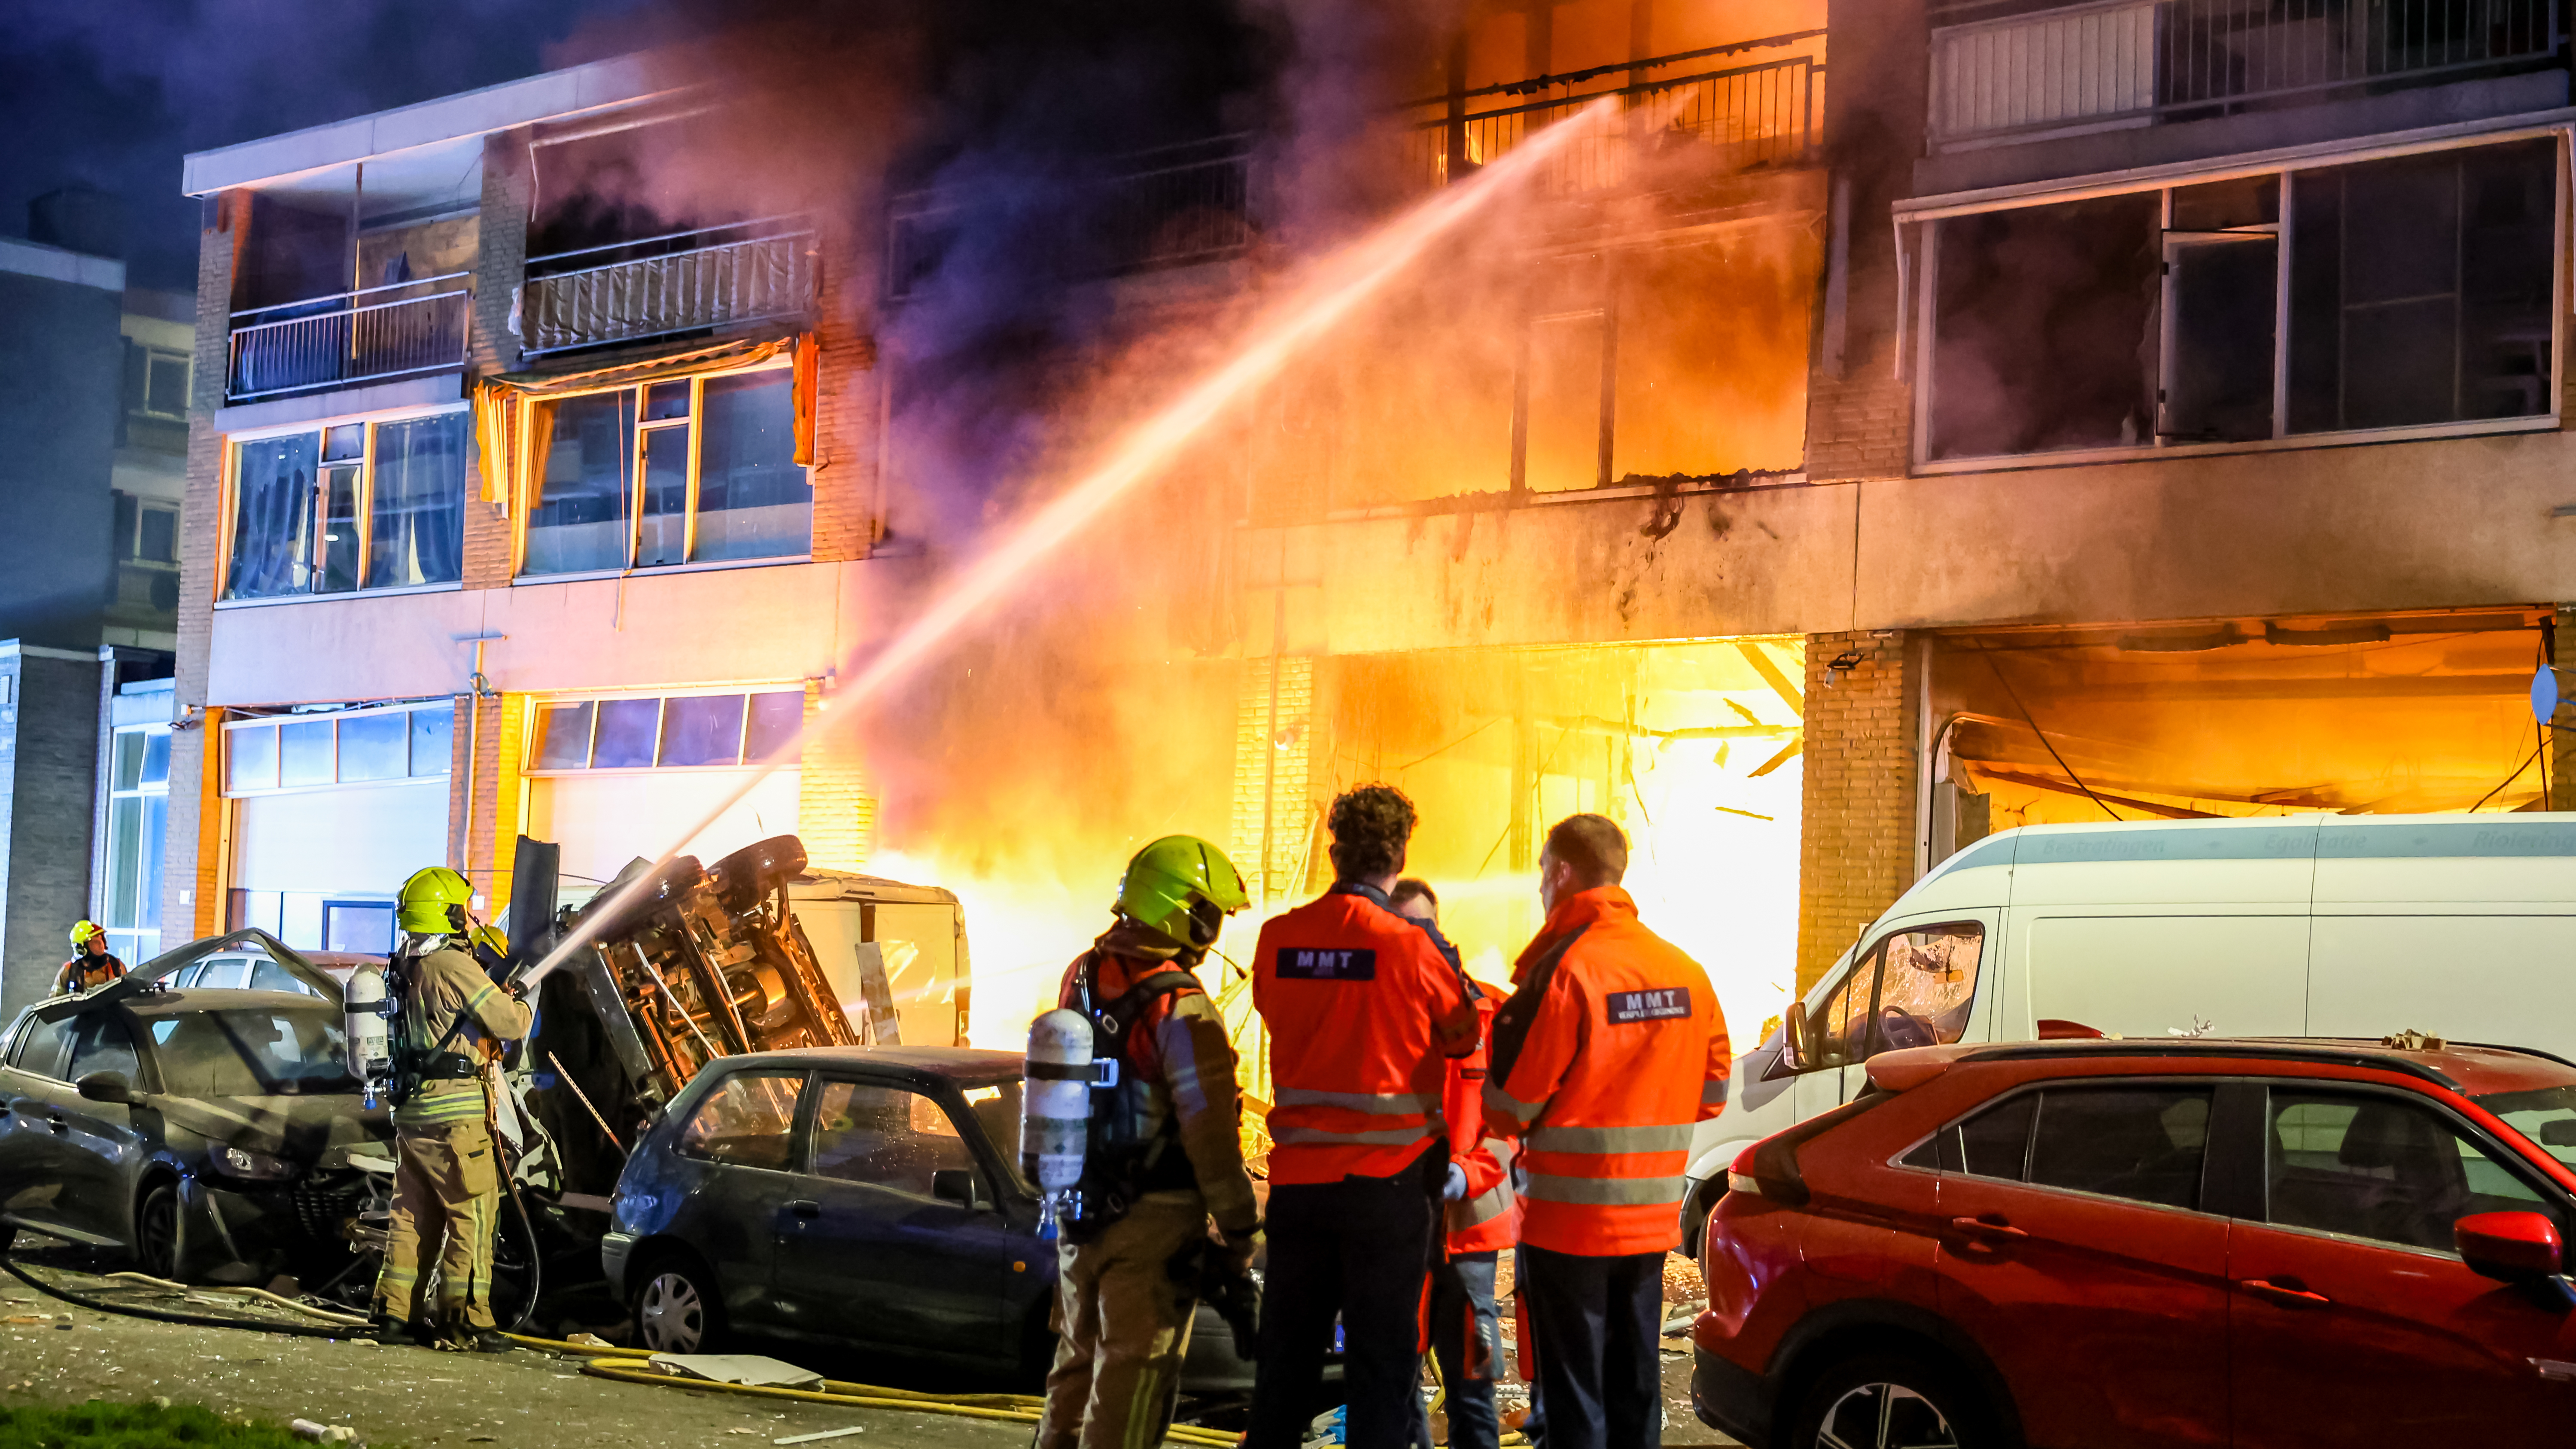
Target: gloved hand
{"x": 1455, "y": 1189}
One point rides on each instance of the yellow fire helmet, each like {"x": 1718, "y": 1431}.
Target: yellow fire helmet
{"x": 86, "y": 929}
{"x": 433, "y": 902}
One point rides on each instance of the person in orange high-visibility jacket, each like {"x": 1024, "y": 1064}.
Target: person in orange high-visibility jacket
{"x": 1610, "y": 1048}
{"x": 1363, "y": 1010}
{"x": 1460, "y": 1328}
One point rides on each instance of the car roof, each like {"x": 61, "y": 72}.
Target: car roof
{"x": 2474, "y": 1070}
{"x": 961, "y": 1064}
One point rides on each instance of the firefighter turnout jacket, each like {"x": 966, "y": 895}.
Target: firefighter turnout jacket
{"x": 1610, "y": 1049}
{"x": 1176, "y": 1110}
{"x": 1363, "y": 1011}
{"x": 1484, "y": 1220}
{"x": 86, "y": 972}
{"x": 447, "y": 992}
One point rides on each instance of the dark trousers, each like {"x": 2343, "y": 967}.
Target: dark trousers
{"x": 1467, "y": 1340}
{"x": 1600, "y": 1364}
{"x": 1356, "y": 1248}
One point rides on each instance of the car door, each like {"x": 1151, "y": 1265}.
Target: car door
{"x": 867, "y": 1252}
{"x": 2078, "y": 1257}
{"x": 102, "y": 1150}
{"x": 32, "y": 1148}
{"x": 730, "y": 1172}
{"x": 2353, "y": 1319}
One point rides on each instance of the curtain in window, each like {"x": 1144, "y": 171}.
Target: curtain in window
{"x": 272, "y": 516}
{"x": 753, "y": 501}
{"x": 419, "y": 509}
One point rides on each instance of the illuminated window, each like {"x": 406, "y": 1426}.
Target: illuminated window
{"x": 693, "y": 470}
{"x": 358, "y": 506}
{"x": 351, "y": 747}
{"x": 138, "y": 815}
{"x": 682, "y": 731}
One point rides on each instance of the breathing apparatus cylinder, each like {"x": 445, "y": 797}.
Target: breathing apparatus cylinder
{"x": 370, "y": 1045}
{"x": 1055, "y": 1112}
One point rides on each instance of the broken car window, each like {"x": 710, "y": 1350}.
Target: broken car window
{"x": 884, "y": 1136}
{"x": 745, "y": 1120}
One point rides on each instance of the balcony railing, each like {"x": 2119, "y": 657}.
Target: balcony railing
{"x": 367, "y": 335}
{"x": 1176, "y": 206}
{"x": 2143, "y": 62}
{"x": 654, "y": 287}
{"x": 1739, "y": 116}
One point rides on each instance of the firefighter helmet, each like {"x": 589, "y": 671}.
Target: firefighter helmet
{"x": 433, "y": 902}
{"x": 86, "y": 929}
{"x": 1182, "y": 888}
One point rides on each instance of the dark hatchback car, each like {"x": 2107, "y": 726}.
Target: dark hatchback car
{"x": 212, "y": 1135}
{"x": 859, "y": 1196}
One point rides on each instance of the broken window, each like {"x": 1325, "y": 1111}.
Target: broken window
{"x": 2222, "y": 272}
{"x": 692, "y": 470}
{"x": 361, "y": 505}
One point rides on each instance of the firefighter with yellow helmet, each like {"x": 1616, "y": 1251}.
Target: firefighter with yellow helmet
{"x": 92, "y": 965}
{"x": 450, "y": 1020}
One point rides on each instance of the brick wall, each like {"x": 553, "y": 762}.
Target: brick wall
{"x": 48, "y": 793}
{"x": 1257, "y": 752}
{"x": 484, "y": 753}
{"x": 1859, "y": 414}
{"x": 848, "y": 401}
{"x": 499, "y": 260}
{"x": 1856, "y": 839}
{"x": 2562, "y": 740}
{"x": 836, "y": 815}
{"x": 191, "y": 868}
{"x": 1861, "y": 424}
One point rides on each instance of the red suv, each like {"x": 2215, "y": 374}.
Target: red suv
{"x": 2105, "y": 1244}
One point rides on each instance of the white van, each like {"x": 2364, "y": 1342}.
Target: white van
{"x": 919, "y": 932}
{"x": 2332, "y": 926}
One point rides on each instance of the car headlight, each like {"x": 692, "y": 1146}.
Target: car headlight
{"x": 242, "y": 1162}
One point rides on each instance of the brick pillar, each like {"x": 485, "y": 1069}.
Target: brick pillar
{"x": 484, "y": 754}
{"x": 1274, "y": 813}
{"x": 191, "y": 865}
{"x": 836, "y": 816}
{"x": 848, "y": 402}
{"x": 1860, "y": 416}
{"x": 2562, "y": 738}
{"x": 501, "y": 252}
{"x": 1856, "y": 840}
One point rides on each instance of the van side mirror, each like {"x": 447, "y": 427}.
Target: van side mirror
{"x": 1793, "y": 1036}
{"x": 2513, "y": 1247}
{"x": 108, "y": 1087}
{"x": 957, "y": 1185}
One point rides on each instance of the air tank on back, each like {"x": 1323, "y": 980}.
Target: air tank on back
{"x": 370, "y": 1048}
{"x": 1055, "y": 1113}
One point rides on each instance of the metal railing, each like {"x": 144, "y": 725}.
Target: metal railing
{"x": 1178, "y": 205}
{"x": 655, "y": 286}
{"x": 2142, "y": 62}
{"x": 343, "y": 338}
{"x": 1767, "y": 113}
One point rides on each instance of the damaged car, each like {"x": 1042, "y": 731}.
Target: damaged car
{"x": 208, "y": 1134}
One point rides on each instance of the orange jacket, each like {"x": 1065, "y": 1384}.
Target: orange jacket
{"x": 1483, "y": 1221}
{"x": 1604, "y": 1059}
{"x": 1362, "y": 1010}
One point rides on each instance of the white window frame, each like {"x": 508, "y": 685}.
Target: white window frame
{"x": 233, "y": 726}
{"x": 1919, "y": 260}
{"x": 524, "y": 495}
{"x": 139, "y": 944}
{"x": 538, "y": 704}
{"x": 229, "y": 488}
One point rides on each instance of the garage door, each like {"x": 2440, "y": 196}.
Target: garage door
{"x": 319, "y": 868}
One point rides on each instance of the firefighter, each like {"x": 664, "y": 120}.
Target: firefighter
{"x": 1463, "y": 1332}
{"x": 1609, "y": 1049}
{"x": 92, "y": 966}
{"x": 451, "y": 1020}
{"x": 1164, "y": 1154}
{"x": 1363, "y": 1010}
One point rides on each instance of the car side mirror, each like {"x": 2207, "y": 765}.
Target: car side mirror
{"x": 1793, "y": 1036}
{"x": 108, "y": 1087}
{"x": 2513, "y": 1247}
{"x": 958, "y": 1185}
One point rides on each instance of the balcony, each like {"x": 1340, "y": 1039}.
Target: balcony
{"x": 369, "y": 335}
{"x": 2074, "y": 69}
{"x": 1765, "y": 114}
{"x": 1168, "y": 207}
{"x": 661, "y": 286}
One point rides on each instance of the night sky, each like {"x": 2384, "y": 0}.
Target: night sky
{"x": 111, "y": 93}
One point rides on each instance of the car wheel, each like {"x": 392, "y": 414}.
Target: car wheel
{"x": 156, "y": 1232}
{"x": 1888, "y": 1402}
{"x": 676, "y": 1308}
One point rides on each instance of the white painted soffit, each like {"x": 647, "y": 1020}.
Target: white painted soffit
{"x": 2529, "y": 124}
{"x": 602, "y": 85}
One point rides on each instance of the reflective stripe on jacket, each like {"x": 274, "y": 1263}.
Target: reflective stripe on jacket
{"x": 1357, "y": 999}
{"x": 1483, "y": 1220}
{"x": 1610, "y": 1055}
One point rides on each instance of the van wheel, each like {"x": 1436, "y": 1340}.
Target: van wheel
{"x": 677, "y": 1309}
{"x": 156, "y": 1232}
{"x": 1888, "y": 1401}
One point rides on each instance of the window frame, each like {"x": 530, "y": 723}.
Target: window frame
{"x": 2219, "y": 1181}
{"x": 796, "y": 1120}
{"x": 138, "y": 944}
{"x": 1918, "y": 267}
{"x": 2551, "y": 1195}
{"x": 228, "y": 492}
{"x": 943, "y": 1095}
{"x": 1874, "y": 960}
{"x": 187, "y": 379}
{"x": 225, "y": 788}
{"x": 526, "y": 484}
{"x": 530, "y": 738}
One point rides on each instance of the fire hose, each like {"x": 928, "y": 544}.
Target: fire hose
{"x": 625, "y": 1365}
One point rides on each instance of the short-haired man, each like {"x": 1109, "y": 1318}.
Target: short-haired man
{"x": 1609, "y": 1050}
{"x": 1364, "y": 1010}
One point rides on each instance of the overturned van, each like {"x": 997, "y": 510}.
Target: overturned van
{"x": 2459, "y": 926}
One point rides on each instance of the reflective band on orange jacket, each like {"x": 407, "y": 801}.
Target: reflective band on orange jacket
{"x": 1483, "y": 1221}
{"x": 1357, "y": 1000}
{"x": 1620, "y": 1048}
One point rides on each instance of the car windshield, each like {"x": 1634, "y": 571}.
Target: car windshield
{"x": 251, "y": 1052}
{"x": 997, "y": 1107}
{"x": 2546, "y": 1115}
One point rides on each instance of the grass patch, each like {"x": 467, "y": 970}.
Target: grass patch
{"x": 102, "y": 1425}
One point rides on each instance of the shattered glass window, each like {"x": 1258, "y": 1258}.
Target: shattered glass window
{"x": 273, "y": 498}
{"x": 884, "y": 1136}
{"x": 745, "y": 1120}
